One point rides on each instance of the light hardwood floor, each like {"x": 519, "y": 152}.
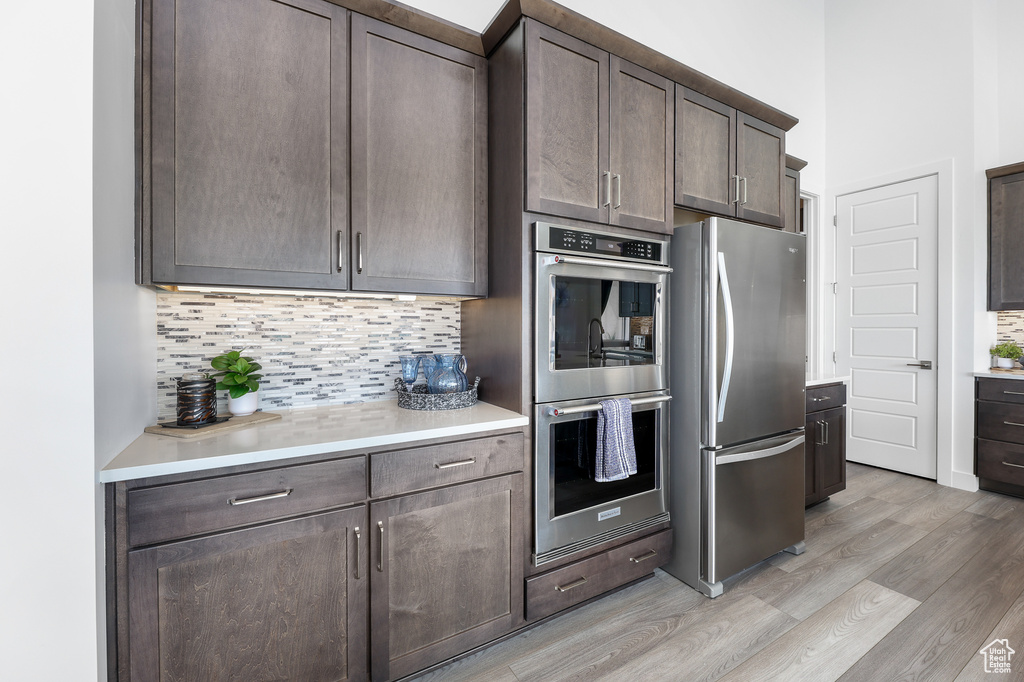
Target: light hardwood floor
{"x": 902, "y": 580}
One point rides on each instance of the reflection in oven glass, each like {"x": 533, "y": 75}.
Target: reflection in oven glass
{"x": 573, "y": 442}
{"x": 603, "y": 323}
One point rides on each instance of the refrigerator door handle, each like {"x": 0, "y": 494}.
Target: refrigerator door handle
{"x": 759, "y": 454}
{"x": 730, "y": 334}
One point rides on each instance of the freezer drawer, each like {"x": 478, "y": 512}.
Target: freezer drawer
{"x": 755, "y": 506}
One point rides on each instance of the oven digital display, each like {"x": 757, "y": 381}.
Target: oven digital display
{"x": 599, "y": 244}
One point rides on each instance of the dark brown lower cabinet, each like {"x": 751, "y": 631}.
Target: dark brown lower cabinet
{"x": 825, "y": 445}
{"x": 446, "y": 572}
{"x": 999, "y": 435}
{"x": 281, "y": 601}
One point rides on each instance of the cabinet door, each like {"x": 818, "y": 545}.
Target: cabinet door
{"x": 792, "y": 205}
{"x": 249, "y": 138}
{"x": 419, "y": 163}
{"x": 760, "y": 163}
{"x": 833, "y": 451}
{"x": 446, "y": 572}
{"x": 812, "y": 459}
{"x": 705, "y": 153}
{"x": 281, "y": 601}
{"x": 640, "y": 116}
{"x": 1006, "y": 242}
{"x": 567, "y": 170}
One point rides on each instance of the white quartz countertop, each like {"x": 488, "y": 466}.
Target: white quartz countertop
{"x": 820, "y": 379}
{"x": 996, "y": 373}
{"x": 300, "y": 432}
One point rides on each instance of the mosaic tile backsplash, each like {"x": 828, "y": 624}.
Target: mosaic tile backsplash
{"x": 314, "y": 350}
{"x": 1010, "y": 326}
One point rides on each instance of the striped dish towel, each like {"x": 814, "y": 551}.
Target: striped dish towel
{"x": 616, "y": 457}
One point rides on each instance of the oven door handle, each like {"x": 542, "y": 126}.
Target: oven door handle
{"x": 572, "y": 260}
{"x": 758, "y": 454}
{"x": 596, "y": 407}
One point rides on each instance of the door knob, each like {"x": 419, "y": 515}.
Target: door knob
{"x": 924, "y": 364}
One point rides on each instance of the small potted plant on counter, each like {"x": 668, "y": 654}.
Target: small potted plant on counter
{"x": 235, "y": 374}
{"x": 1006, "y": 353}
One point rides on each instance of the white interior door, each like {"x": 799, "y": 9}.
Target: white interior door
{"x": 887, "y": 322}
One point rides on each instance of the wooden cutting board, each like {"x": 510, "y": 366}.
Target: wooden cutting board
{"x": 213, "y": 429}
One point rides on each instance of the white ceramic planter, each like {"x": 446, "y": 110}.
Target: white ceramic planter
{"x": 1004, "y": 363}
{"x": 247, "y": 404}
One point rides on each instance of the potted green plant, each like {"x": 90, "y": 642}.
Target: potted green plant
{"x": 236, "y": 375}
{"x": 1005, "y": 353}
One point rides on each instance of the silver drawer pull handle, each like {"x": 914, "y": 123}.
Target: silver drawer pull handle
{"x": 566, "y": 588}
{"x": 450, "y": 465}
{"x": 1013, "y": 424}
{"x": 1016, "y": 466}
{"x": 358, "y": 560}
{"x": 821, "y": 400}
{"x": 234, "y": 502}
{"x": 1013, "y": 392}
{"x": 643, "y": 557}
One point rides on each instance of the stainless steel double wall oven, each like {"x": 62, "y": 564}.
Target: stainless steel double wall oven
{"x": 601, "y": 321}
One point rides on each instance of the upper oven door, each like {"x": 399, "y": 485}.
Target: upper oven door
{"x": 601, "y": 327}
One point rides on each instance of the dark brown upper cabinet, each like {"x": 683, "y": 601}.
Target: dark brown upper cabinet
{"x": 249, "y": 134}
{"x": 250, "y": 178}
{"x": 727, "y": 162}
{"x": 1006, "y": 237}
{"x": 419, "y": 163}
{"x": 598, "y": 134}
{"x": 793, "y": 221}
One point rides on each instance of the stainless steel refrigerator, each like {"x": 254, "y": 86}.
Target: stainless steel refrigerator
{"x": 737, "y": 346}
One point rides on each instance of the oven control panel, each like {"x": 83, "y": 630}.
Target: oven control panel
{"x": 599, "y": 244}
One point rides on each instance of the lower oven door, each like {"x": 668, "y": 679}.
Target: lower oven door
{"x": 573, "y": 511}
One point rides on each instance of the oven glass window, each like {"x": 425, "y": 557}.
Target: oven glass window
{"x": 574, "y": 444}
{"x": 603, "y": 323}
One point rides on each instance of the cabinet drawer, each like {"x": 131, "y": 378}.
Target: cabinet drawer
{"x": 180, "y": 510}
{"x": 1003, "y": 462}
{"x": 1001, "y": 390}
{"x": 396, "y": 473}
{"x": 577, "y": 582}
{"x": 824, "y": 397}
{"x": 1001, "y": 421}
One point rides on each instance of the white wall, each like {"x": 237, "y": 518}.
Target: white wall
{"x": 124, "y": 314}
{"x": 48, "y": 623}
{"x": 909, "y": 86}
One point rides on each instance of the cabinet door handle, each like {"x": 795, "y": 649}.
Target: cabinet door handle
{"x": 744, "y": 180}
{"x": 341, "y": 251}
{"x": 234, "y": 502}
{"x": 452, "y": 465}
{"x": 736, "y": 188}
{"x": 572, "y": 585}
{"x": 1016, "y": 466}
{"x": 358, "y": 561}
{"x": 817, "y": 433}
{"x": 607, "y": 189}
{"x": 380, "y": 552}
{"x": 1013, "y": 393}
{"x": 1013, "y": 424}
{"x": 618, "y": 190}
{"x": 825, "y": 424}
{"x": 359, "y": 252}
{"x": 643, "y": 557}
